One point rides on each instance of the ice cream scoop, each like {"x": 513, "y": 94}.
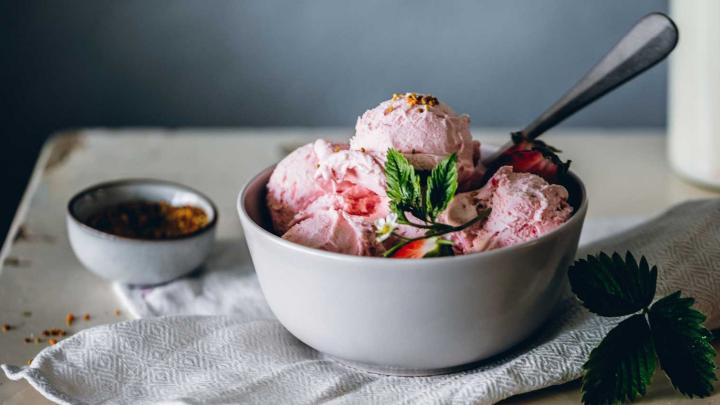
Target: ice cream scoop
{"x": 358, "y": 179}
{"x": 524, "y": 207}
{"x": 334, "y": 230}
{"x": 326, "y": 196}
{"x": 424, "y": 129}
{"x": 292, "y": 186}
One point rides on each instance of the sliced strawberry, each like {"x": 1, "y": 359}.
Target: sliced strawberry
{"x": 533, "y": 156}
{"x": 430, "y": 247}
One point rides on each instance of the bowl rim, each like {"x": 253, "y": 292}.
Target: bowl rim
{"x": 136, "y": 181}
{"x": 578, "y": 215}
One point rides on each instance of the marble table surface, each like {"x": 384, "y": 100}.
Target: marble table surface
{"x": 626, "y": 173}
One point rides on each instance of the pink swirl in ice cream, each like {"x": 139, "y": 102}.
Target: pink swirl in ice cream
{"x": 423, "y": 129}
{"x": 358, "y": 179}
{"x": 524, "y": 206}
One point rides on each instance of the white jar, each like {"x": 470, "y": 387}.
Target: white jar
{"x": 694, "y": 92}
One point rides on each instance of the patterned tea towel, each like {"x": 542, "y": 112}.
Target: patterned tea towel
{"x": 245, "y": 356}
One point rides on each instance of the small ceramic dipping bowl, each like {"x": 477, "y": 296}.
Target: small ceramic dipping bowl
{"x": 410, "y": 316}
{"x": 132, "y": 260}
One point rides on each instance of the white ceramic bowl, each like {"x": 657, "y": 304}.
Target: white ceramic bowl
{"x": 413, "y": 316}
{"x": 138, "y": 261}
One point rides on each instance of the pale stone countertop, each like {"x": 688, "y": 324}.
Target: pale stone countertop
{"x": 626, "y": 174}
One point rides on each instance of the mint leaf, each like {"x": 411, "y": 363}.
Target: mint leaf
{"x": 683, "y": 345}
{"x": 620, "y": 368}
{"x": 403, "y": 185}
{"x": 613, "y": 287}
{"x": 441, "y": 186}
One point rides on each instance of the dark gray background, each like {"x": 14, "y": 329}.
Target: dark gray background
{"x": 69, "y": 64}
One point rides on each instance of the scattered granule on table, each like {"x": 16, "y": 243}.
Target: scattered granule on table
{"x": 52, "y": 342}
{"x": 54, "y": 332}
{"x": 29, "y": 362}
{"x": 118, "y": 312}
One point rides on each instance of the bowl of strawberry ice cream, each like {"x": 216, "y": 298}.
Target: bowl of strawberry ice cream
{"x": 483, "y": 282}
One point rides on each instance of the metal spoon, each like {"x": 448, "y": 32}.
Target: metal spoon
{"x": 646, "y": 44}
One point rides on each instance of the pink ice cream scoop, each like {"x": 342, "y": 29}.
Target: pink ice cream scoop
{"x": 423, "y": 129}
{"x": 327, "y": 187}
{"x": 358, "y": 179}
{"x": 523, "y": 207}
{"x": 328, "y": 230}
{"x": 292, "y": 186}
{"x": 326, "y": 226}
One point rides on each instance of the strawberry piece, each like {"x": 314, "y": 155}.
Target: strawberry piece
{"x": 430, "y": 247}
{"x": 533, "y": 156}
{"x": 359, "y": 200}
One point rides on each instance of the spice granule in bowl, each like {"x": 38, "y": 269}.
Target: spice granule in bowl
{"x": 149, "y": 220}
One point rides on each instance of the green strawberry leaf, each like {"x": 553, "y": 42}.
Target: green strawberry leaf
{"x": 620, "y": 367}
{"x": 403, "y": 185}
{"x": 441, "y": 186}
{"x": 683, "y": 345}
{"x": 613, "y": 287}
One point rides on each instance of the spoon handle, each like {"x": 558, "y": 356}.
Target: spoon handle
{"x": 646, "y": 44}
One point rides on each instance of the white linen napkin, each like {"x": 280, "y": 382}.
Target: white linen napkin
{"x": 247, "y": 357}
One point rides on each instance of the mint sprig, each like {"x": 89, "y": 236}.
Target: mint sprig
{"x": 403, "y": 186}
{"x": 621, "y": 366}
{"x": 407, "y": 195}
{"x": 441, "y": 186}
